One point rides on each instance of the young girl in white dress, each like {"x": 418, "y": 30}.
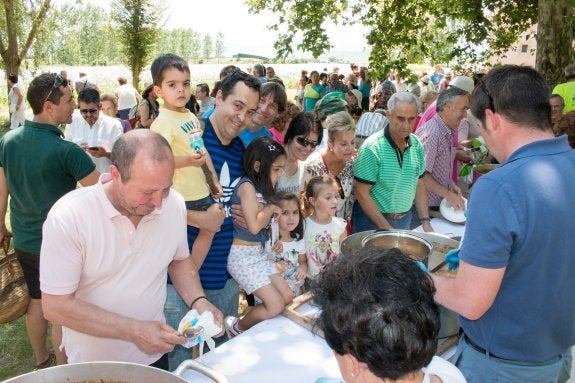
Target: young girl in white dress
{"x": 323, "y": 230}
{"x": 248, "y": 264}
{"x": 288, "y": 251}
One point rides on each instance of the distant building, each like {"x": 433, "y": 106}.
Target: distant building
{"x": 522, "y": 52}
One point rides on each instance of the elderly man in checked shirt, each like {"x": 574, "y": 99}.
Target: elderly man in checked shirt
{"x": 436, "y": 136}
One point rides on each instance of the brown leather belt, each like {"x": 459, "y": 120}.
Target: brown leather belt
{"x": 395, "y": 215}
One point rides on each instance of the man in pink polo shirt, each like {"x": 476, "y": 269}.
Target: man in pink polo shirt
{"x": 106, "y": 254}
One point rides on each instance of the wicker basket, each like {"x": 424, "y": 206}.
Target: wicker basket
{"x": 14, "y": 297}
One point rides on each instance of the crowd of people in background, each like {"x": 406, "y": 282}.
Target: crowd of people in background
{"x": 258, "y": 191}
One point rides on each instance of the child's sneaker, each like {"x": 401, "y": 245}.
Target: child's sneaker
{"x": 231, "y": 325}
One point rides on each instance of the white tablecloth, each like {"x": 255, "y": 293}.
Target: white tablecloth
{"x": 276, "y": 350}
{"x": 445, "y": 227}
{"x": 279, "y": 350}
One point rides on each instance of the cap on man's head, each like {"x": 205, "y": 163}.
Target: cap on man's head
{"x": 330, "y": 104}
{"x": 335, "y": 94}
{"x": 357, "y": 95}
{"x": 424, "y": 79}
{"x": 385, "y": 85}
{"x": 463, "y": 82}
{"x": 147, "y": 91}
{"x": 448, "y": 74}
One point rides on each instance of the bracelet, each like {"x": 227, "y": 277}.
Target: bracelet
{"x": 197, "y": 299}
{"x": 425, "y": 219}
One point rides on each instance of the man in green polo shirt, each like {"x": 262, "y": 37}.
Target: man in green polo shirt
{"x": 37, "y": 167}
{"x": 389, "y": 171}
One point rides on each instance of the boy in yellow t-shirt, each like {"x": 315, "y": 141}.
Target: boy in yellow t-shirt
{"x": 195, "y": 177}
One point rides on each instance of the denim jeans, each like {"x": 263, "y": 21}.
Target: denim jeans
{"x": 361, "y": 222}
{"x": 226, "y": 299}
{"x": 480, "y": 368}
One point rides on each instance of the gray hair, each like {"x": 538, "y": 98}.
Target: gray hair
{"x": 259, "y": 70}
{"x": 339, "y": 123}
{"x": 128, "y": 145}
{"x": 555, "y": 95}
{"x": 449, "y": 95}
{"x": 402, "y": 97}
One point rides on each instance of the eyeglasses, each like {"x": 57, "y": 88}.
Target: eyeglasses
{"x": 305, "y": 142}
{"x": 484, "y": 89}
{"x": 58, "y": 82}
{"x": 88, "y": 111}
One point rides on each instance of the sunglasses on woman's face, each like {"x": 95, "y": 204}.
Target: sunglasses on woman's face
{"x": 305, "y": 142}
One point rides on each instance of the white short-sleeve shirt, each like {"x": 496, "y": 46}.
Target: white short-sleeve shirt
{"x": 103, "y": 133}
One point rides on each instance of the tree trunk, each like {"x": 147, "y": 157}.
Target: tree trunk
{"x": 136, "y": 69}
{"x": 13, "y": 53}
{"x": 554, "y": 39}
{"x": 9, "y": 52}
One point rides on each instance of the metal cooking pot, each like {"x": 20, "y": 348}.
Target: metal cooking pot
{"x": 115, "y": 372}
{"x": 441, "y": 244}
{"x": 413, "y": 246}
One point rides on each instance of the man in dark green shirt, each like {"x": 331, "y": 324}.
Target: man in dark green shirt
{"x": 37, "y": 167}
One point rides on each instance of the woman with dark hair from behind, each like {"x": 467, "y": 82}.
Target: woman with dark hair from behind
{"x": 148, "y": 108}
{"x": 217, "y": 86}
{"x": 379, "y": 318}
{"x": 192, "y": 105}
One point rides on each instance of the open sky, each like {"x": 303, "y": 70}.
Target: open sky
{"x": 244, "y": 32}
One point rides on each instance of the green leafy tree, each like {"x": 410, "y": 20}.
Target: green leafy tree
{"x": 184, "y": 42}
{"x": 20, "y": 22}
{"x": 207, "y": 46}
{"x": 184, "y": 36}
{"x": 219, "y": 46}
{"x": 195, "y": 45}
{"x": 137, "y": 23}
{"x": 78, "y": 33}
{"x": 400, "y": 27}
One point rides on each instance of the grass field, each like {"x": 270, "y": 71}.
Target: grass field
{"x": 15, "y": 352}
